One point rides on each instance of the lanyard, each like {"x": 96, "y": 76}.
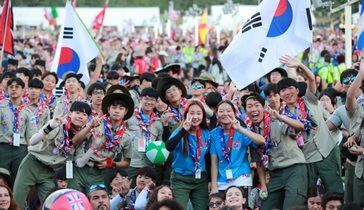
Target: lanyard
{"x": 226, "y": 149}
{"x": 197, "y": 157}
{"x": 145, "y": 123}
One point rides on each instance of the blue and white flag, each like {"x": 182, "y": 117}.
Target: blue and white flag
{"x": 360, "y": 41}
{"x": 279, "y": 27}
{"x": 75, "y": 47}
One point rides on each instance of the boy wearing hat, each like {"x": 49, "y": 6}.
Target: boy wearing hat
{"x": 318, "y": 146}
{"x": 35, "y": 114}
{"x": 276, "y": 75}
{"x": 12, "y": 148}
{"x": 280, "y": 154}
{"x": 104, "y": 142}
{"x": 146, "y": 127}
{"x": 71, "y": 84}
{"x": 50, "y": 150}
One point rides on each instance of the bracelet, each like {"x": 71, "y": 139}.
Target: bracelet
{"x": 47, "y": 129}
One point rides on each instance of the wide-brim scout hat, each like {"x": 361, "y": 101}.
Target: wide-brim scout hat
{"x": 5, "y": 173}
{"x": 281, "y": 71}
{"x": 129, "y": 103}
{"x": 132, "y": 77}
{"x": 113, "y": 88}
{"x": 208, "y": 78}
{"x": 165, "y": 83}
{"x": 70, "y": 75}
{"x": 174, "y": 67}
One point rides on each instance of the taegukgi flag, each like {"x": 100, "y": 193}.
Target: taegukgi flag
{"x": 279, "y": 27}
{"x": 75, "y": 47}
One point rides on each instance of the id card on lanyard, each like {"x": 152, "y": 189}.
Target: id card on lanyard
{"x": 226, "y": 149}
{"x": 197, "y": 156}
{"x": 16, "y": 135}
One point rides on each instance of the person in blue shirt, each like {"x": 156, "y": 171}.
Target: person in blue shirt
{"x": 190, "y": 143}
{"x": 229, "y": 146}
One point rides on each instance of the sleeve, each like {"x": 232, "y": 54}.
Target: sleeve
{"x": 115, "y": 202}
{"x": 335, "y": 118}
{"x": 323, "y": 73}
{"x": 175, "y": 138}
{"x": 142, "y": 200}
{"x": 166, "y": 133}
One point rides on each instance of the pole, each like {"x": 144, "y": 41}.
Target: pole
{"x": 5, "y": 32}
{"x": 348, "y": 46}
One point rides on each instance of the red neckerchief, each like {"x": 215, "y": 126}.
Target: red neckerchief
{"x": 67, "y": 100}
{"x": 226, "y": 149}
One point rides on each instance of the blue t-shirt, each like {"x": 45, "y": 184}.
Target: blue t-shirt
{"x": 185, "y": 164}
{"x": 239, "y": 163}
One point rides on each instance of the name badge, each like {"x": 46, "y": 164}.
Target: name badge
{"x": 69, "y": 169}
{"x": 16, "y": 139}
{"x": 141, "y": 145}
{"x": 198, "y": 174}
{"x": 229, "y": 174}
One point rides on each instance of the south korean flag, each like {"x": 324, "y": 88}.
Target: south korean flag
{"x": 279, "y": 27}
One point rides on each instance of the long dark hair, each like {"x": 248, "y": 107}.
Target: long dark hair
{"x": 13, "y": 205}
{"x": 153, "y": 198}
{"x": 203, "y": 124}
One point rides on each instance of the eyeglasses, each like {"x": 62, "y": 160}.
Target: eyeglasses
{"x": 100, "y": 92}
{"x": 217, "y": 204}
{"x": 97, "y": 187}
{"x": 197, "y": 86}
{"x": 347, "y": 80}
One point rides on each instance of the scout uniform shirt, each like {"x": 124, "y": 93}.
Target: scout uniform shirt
{"x": 356, "y": 117}
{"x": 141, "y": 138}
{"x": 318, "y": 142}
{"x": 10, "y": 122}
{"x": 283, "y": 150}
{"x": 51, "y": 151}
{"x": 63, "y": 105}
{"x": 177, "y": 118}
{"x": 98, "y": 141}
{"x": 33, "y": 117}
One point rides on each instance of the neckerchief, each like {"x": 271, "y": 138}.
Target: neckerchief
{"x": 226, "y": 148}
{"x": 26, "y": 96}
{"x": 175, "y": 111}
{"x": 15, "y": 111}
{"x": 133, "y": 198}
{"x": 110, "y": 140}
{"x": 304, "y": 118}
{"x": 50, "y": 100}
{"x": 67, "y": 101}
{"x": 197, "y": 155}
{"x": 145, "y": 123}
{"x": 266, "y": 130}
{"x": 66, "y": 146}
{"x": 41, "y": 107}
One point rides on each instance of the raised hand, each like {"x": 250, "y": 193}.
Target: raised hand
{"x": 187, "y": 123}
{"x": 289, "y": 61}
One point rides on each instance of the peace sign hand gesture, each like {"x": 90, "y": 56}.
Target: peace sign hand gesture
{"x": 187, "y": 123}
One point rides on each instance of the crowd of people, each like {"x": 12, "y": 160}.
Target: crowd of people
{"x": 291, "y": 140}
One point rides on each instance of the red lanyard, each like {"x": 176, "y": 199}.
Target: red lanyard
{"x": 227, "y": 151}
{"x": 199, "y": 144}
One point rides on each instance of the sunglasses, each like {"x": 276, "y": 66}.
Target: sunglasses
{"x": 197, "y": 86}
{"x": 347, "y": 80}
{"x": 97, "y": 187}
{"x": 217, "y": 204}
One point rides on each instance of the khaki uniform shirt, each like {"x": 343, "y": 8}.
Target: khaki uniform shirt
{"x": 6, "y": 124}
{"x": 62, "y": 108}
{"x": 29, "y": 124}
{"x": 283, "y": 151}
{"x": 139, "y": 159}
{"x": 47, "y": 152}
{"x": 319, "y": 143}
{"x": 124, "y": 146}
{"x": 355, "y": 118}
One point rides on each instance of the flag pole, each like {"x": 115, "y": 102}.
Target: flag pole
{"x": 4, "y": 37}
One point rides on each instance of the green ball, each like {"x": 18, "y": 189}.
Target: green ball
{"x": 156, "y": 152}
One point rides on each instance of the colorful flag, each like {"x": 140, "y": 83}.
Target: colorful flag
{"x": 51, "y": 16}
{"x": 75, "y": 47}
{"x": 202, "y": 28}
{"x": 280, "y": 27}
{"x": 99, "y": 19}
{"x": 360, "y": 41}
{"x": 7, "y": 27}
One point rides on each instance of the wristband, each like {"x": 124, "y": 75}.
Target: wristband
{"x": 47, "y": 129}
{"x": 109, "y": 163}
